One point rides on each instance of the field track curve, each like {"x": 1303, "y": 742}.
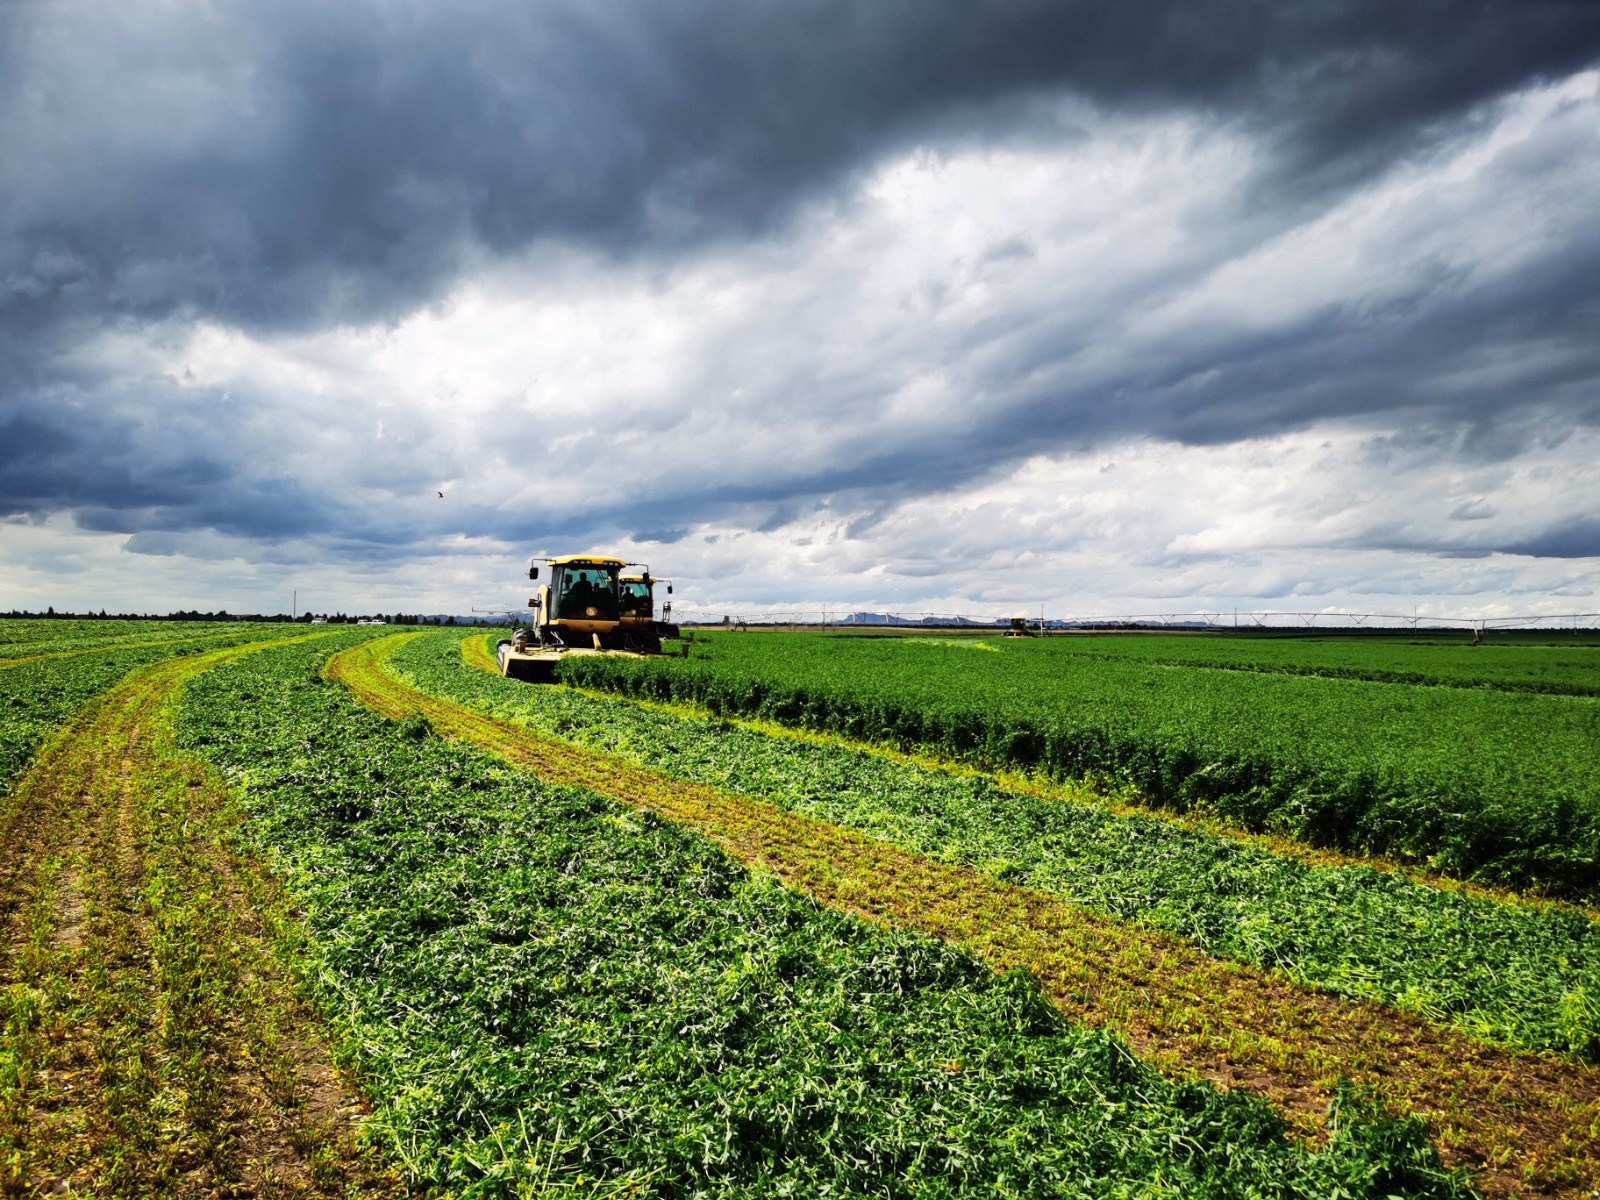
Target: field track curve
{"x": 24, "y": 659}
{"x": 1530, "y": 1124}
{"x": 153, "y": 1041}
{"x": 475, "y": 653}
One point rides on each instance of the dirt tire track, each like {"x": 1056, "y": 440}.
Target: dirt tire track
{"x": 155, "y": 1043}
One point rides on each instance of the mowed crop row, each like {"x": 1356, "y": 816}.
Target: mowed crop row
{"x": 30, "y": 635}
{"x": 39, "y": 689}
{"x": 1503, "y": 788}
{"x": 547, "y": 989}
{"x": 1529, "y": 1119}
{"x": 151, "y": 1042}
{"x": 1525, "y": 976}
{"x": 22, "y": 640}
{"x": 553, "y": 990}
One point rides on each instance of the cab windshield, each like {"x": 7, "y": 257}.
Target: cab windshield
{"x": 635, "y": 598}
{"x": 586, "y": 593}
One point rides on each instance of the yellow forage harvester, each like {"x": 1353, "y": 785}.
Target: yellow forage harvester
{"x": 588, "y": 607}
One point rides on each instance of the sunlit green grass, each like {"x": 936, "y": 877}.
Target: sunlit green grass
{"x": 1529, "y": 977}
{"x": 548, "y": 988}
{"x": 1500, "y": 787}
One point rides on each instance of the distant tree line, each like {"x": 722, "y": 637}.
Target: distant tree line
{"x": 190, "y": 614}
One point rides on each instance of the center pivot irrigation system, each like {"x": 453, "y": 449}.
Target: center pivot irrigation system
{"x": 594, "y": 604}
{"x": 1241, "y": 620}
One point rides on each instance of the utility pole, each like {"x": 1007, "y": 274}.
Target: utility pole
{"x": 294, "y": 606}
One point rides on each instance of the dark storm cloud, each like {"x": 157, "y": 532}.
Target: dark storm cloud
{"x": 1334, "y": 366}
{"x": 153, "y": 457}
{"x": 1571, "y": 539}
{"x": 292, "y": 167}
{"x": 90, "y": 466}
{"x": 350, "y": 151}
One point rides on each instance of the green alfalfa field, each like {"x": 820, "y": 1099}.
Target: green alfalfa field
{"x": 791, "y": 917}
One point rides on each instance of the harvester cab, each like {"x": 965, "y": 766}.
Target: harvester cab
{"x": 639, "y": 609}
{"x": 581, "y": 603}
{"x": 638, "y": 599}
{"x": 587, "y": 607}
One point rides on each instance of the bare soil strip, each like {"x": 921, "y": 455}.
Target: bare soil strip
{"x": 154, "y": 1044}
{"x": 1530, "y": 1124}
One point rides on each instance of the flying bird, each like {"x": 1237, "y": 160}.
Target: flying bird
{"x": 441, "y": 495}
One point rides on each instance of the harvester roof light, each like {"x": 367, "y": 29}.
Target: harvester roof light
{"x": 586, "y": 560}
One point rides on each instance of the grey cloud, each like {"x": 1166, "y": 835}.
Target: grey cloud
{"x": 89, "y": 470}
{"x": 665, "y": 537}
{"x": 1235, "y": 386}
{"x": 356, "y": 150}
{"x": 1573, "y": 539}
{"x": 149, "y": 459}
{"x": 293, "y": 167}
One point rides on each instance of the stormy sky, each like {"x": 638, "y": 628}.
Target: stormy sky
{"x": 922, "y": 306}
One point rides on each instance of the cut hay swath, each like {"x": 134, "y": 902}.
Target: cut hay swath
{"x": 1502, "y": 787}
{"x": 1190, "y": 1012}
{"x": 153, "y": 1040}
{"x": 714, "y": 962}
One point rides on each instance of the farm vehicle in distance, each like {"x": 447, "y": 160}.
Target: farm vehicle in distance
{"x": 588, "y": 607}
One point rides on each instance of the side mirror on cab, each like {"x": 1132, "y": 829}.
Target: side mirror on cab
{"x": 669, "y": 589}
{"x": 533, "y": 572}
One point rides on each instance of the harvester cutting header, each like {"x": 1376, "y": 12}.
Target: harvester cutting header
{"x": 588, "y": 607}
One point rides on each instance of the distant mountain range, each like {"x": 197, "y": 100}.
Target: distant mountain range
{"x": 867, "y": 618}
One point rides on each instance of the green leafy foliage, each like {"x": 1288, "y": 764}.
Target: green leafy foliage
{"x": 35, "y": 697}
{"x": 22, "y": 638}
{"x": 1523, "y": 976}
{"x": 1503, "y": 788}
{"x": 545, "y": 990}
{"x": 1553, "y": 662}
